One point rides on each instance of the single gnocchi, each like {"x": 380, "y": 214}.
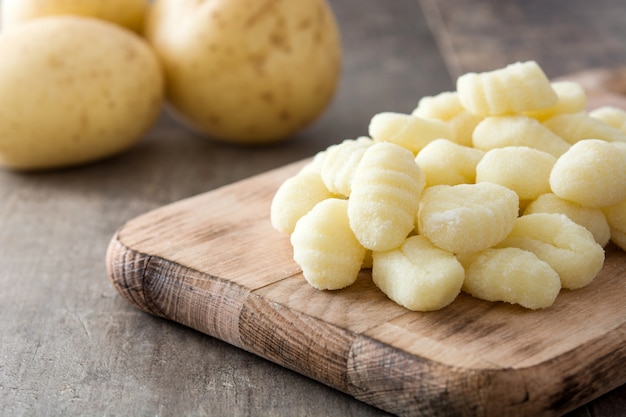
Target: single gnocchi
{"x": 612, "y": 116}
{"x": 511, "y": 275}
{"x": 517, "y": 130}
{"x": 444, "y": 106}
{"x": 571, "y": 98}
{"x": 467, "y": 217}
{"x": 591, "y": 173}
{"x": 418, "y": 275}
{"x": 463, "y": 125}
{"x": 591, "y": 218}
{"x": 510, "y": 167}
{"x": 385, "y": 196}
{"x": 325, "y": 248}
{"x": 579, "y": 126}
{"x": 410, "y": 132}
{"x": 446, "y": 162}
{"x": 567, "y": 247}
{"x": 295, "y": 198}
{"x": 519, "y": 87}
{"x": 340, "y": 164}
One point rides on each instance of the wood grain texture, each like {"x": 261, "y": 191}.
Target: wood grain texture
{"x": 226, "y": 273}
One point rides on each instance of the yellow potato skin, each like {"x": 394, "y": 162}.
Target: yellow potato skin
{"x": 245, "y": 71}
{"x": 73, "y": 90}
{"x": 127, "y": 13}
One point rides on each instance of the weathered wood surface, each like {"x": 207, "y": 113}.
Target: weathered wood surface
{"x": 71, "y": 346}
{"x": 226, "y": 273}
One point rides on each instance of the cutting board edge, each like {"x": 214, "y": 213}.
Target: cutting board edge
{"x": 360, "y": 375}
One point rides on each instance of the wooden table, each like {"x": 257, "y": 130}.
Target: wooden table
{"x": 70, "y": 345}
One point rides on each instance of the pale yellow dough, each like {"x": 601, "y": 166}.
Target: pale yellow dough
{"x": 418, "y": 275}
{"x": 519, "y": 87}
{"x": 340, "y": 164}
{"x": 517, "y": 130}
{"x": 511, "y": 275}
{"x": 591, "y": 173}
{"x": 571, "y": 99}
{"x": 592, "y": 219}
{"x": 295, "y": 198}
{"x": 616, "y": 218}
{"x": 410, "y": 132}
{"x": 519, "y": 168}
{"x": 467, "y": 217}
{"x": 446, "y": 162}
{"x": 385, "y": 196}
{"x": 567, "y": 247}
{"x": 325, "y": 247}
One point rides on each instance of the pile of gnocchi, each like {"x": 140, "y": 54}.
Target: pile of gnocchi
{"x": 507, "y": 189}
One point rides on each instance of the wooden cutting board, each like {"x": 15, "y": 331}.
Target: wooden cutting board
{"x": 213, "y": 262}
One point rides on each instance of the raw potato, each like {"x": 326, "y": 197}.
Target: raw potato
{"x": 247, "y": 72}
{"x": 511, "y": 275}
{"x": 73, "y": 90}
{"x": 127, "y": 13}
{"x": 418, "y": 275}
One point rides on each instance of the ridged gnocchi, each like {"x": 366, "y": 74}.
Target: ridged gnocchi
{"x": 571, "y": 98}
{"x": 408, "y": 131}
{"x": 579, "y": 126}
{"x": 340, "y": 162}
{"x": 516, "y": 88}
{"x": 591, "y": 218}
{"x": 517, "y": 130}
{"x": 385, "y": 196}
{"x": 506, "y": 189}
{"x": 567, "y": 247}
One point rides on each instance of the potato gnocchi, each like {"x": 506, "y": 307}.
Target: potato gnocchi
{"x": 519, "y": 87}
{"x": 506, "y": 189}
{"x": 385, "y": 196}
